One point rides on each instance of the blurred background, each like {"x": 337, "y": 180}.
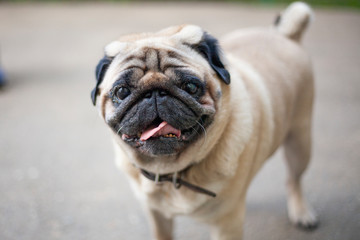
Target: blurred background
{"x": 57, "y": 176}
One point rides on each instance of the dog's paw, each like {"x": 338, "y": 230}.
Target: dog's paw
{"x": 303, "y": 217}
{"x": 307, "y": 221}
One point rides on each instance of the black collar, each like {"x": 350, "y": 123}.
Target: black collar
{"x": 176, "y": 180}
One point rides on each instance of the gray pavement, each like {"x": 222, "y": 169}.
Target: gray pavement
{"x": 57, "y": 177}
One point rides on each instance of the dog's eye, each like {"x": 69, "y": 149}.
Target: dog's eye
{"x": 191, "y": 88}
{"x": 122, "y": 93}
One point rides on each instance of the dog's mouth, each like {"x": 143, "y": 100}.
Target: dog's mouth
{"x": 160, "y": 132}
{"x": 164, "y": 130}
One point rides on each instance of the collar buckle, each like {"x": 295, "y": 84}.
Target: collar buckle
{"x": 175, "y": 180}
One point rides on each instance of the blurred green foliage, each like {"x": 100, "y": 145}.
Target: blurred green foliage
{"x": 323, "y": 3}
{"x": 349, "y": 3}
{"x": 332, "y": 3}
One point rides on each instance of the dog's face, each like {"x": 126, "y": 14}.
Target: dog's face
{"x": 159, "y": 92}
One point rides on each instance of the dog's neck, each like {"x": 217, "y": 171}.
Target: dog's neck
{"x": 176, "y": 179}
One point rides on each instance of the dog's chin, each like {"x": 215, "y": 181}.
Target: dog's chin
{"x": 159, "y": 146}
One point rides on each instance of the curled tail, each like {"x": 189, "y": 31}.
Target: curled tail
{"x": 293, "y": 22}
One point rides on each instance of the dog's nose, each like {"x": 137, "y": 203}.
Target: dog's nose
{"x": 162, "y": 93}
{"x": 158, "y": 92}
{"x": 148, "y": 94}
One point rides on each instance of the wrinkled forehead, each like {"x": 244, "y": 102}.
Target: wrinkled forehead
{"x": 173, "y": 37}
{"x": 173, "y": 41}
{"x": 156, "y": 57}
{"x": 155, "y": 52}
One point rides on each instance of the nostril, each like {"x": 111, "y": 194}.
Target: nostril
{"x": 162, "y": 93}
{"x": 148, "y": 95}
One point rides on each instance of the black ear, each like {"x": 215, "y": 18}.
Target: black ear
{"x": 99, "y": 74}
{"x": 209, "y": 48}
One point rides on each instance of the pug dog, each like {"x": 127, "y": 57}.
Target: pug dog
{"x": 193, "y": 122}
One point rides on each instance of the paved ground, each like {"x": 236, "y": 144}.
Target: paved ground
{"x": 57, "y": 178}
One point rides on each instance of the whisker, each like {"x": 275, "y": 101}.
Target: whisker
{"x": 195, "y": 130}
{"x": 119, "y": 129}
{"x": 204, "y": 130}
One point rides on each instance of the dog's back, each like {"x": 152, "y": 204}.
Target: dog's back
{"x": 281, "y": 67}
{"x": 277, "y": 74}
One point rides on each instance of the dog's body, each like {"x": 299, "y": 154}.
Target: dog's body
{"x": 267, "y": 104}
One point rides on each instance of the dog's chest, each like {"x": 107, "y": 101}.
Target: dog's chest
{"x": 165, "y": 198}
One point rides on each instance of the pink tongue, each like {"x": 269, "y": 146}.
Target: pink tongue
{"x": 163, "y": 129}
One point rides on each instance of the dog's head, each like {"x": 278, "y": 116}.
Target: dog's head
{"x": 159, "y": 92}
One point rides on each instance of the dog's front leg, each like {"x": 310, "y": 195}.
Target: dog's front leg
{"x": 230, "y": 225}
{"x": 161, "y": 226}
